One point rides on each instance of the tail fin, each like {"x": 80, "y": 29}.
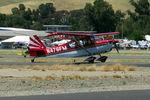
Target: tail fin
{"x": 36, "y": 43}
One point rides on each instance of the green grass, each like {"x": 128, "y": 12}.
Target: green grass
{"x": 69, "y": 60}
{"x": 113, "y": 52}
{"x": 8, "y": 52}
{"x": 7, "y": 5}
{"x": 130, "y": 52}
{"x": 42, "y": 60}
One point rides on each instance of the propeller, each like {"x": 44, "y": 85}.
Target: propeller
{"x": 116, "y": 47}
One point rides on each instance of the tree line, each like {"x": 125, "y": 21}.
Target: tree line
{"x": 99, "y": 16}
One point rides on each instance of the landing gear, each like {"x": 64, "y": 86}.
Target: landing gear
{"x": 102, "y": 59}
{"x": 90, "y": 59}
{"x": 32, "y": 60}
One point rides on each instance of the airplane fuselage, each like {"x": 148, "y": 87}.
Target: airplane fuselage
{"x": 68, "y": 50}
{"x": 94, "y": 50}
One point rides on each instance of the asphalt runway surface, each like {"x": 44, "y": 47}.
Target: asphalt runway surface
{"x": 140, "y": 64}
{"x": 107, "y": 95}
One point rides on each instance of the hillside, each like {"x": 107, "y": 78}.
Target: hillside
{"x": 7, "y": 5}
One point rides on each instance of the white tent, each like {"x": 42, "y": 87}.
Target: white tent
{"x": 147, "y": 37}
{"x": 24, "y": 39}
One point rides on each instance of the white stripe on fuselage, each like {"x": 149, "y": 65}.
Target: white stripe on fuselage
{"x": 93, "y": 50}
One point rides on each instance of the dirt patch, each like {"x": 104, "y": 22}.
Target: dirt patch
{"x": 36, "y": 80}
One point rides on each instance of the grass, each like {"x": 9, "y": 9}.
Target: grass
{"x": 70, "y": 60}
{"x": 81, "y": 68}
{"x": 7, "y": 2}
{"x": 130, "y": 52}
{"x": 41, "y": 60}
{"x": 9, "y": 52}
{"x": 93, "y": 68}
{"x": 113, "y": 52}
{"x": 7, "y": 5}
{"x": 33, "y": 4}
{"x": 74, "y": 77}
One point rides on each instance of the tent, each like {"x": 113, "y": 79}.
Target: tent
{"x": 15, "y": 42}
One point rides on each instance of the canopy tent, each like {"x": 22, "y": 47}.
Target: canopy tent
{"x": 15, "y": 42}
{"x": 24, "y": 39}
{"x": 147, "y": 37}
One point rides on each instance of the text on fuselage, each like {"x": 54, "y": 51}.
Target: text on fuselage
{"x": 56, "y": 49}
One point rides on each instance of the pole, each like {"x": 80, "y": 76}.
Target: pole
{"x": 122, "y": 27}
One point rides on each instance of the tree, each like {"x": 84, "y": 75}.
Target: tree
{"x": 46, "y": 9}
{"x": 37, "y": 26}
{"x": 77, "y": 19}
{"x": 101, "y": 16}
{"x": 2, "y": 19}
{"x": 137, "y": 35}
{"x": 142, "y": 7}
{"x": 22, "y": 7}
{"x": 15, "y": 10}
{"x": 138, "y": 21}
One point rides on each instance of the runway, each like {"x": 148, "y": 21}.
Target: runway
{"x": 109, "y": 56}
{"x": 111, "y": 95}
{"x": 113, "y": 57}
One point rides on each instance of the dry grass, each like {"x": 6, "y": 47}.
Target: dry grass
{"x": 82, "y": 68}
{"x": 116, "y": 67}
{"x": 117, "y": 76}
{"x": 73, "y": 77}
{"x": 50, "y": 78}
{"x": 105, "y": 76}
{"x": 23, "y": 81}
{"x": 62, "y": 4}
{"x": 59, "y": 4}
{"x": 93, "y": 68}
{"x": 37, "y": 78}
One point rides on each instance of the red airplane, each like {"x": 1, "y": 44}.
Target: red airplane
{"x": 64, "y": 44}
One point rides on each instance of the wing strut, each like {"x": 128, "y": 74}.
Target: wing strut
{"x": 89, "y": 59}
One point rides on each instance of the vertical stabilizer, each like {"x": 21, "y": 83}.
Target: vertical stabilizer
{"x": 36, "y": 43}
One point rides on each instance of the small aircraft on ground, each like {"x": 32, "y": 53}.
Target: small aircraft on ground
{"x": 65, "y": 44}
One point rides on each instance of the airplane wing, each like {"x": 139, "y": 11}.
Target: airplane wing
{"x": 83, "y": 34}
{"x": 111, "y": 33}
{"x": 76, "y": 37}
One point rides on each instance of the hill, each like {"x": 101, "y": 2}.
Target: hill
{"x": 7, "y": 5}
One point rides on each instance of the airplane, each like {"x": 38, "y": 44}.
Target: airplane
{"x": 67, "y": 44}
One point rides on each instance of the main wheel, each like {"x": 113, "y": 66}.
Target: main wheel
{"x": 103, "y": 59}
{"x": 91, "y": 61}
{"x": 32, "y": 60}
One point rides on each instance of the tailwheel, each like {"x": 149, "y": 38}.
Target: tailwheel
{"x": 102, "y": 59}
{"x": 32, "y": 60}
{"x": 90, "y": 59}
